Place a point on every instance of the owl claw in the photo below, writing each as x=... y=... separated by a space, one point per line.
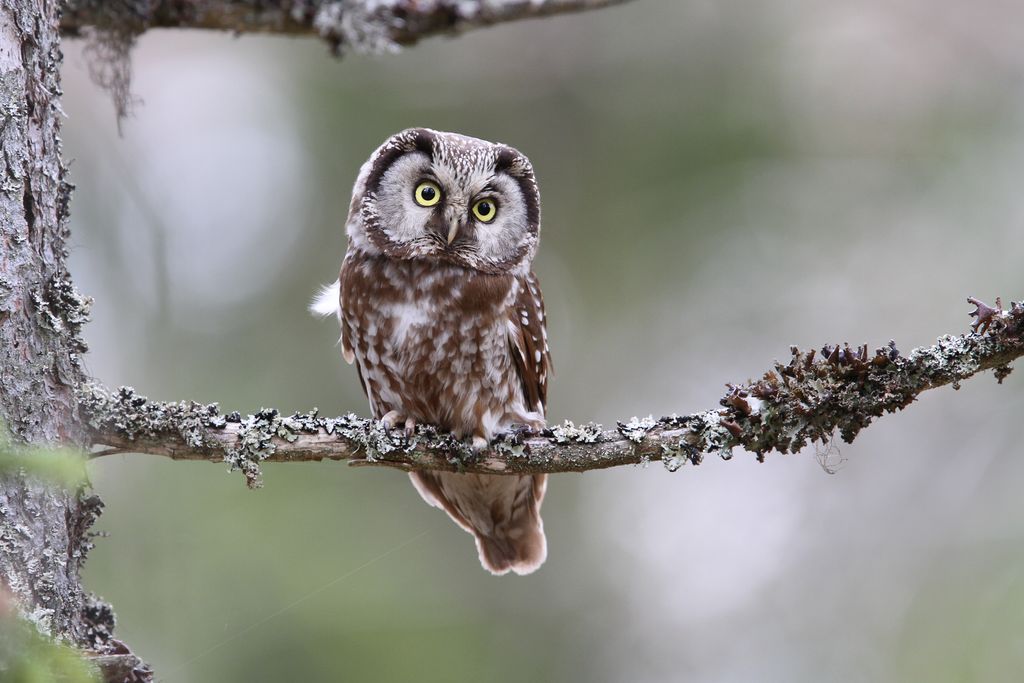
x=479 y=444
x=520 y=432
x=391 y=419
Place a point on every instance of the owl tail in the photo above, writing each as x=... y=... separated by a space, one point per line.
x=501 y=511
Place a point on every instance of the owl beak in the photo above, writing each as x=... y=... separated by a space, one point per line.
x=453 y=230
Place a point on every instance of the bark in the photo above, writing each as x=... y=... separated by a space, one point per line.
x=39 y=315
x=807 y=400
x=43 y=528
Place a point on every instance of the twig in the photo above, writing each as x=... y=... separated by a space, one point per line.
x=808 y=399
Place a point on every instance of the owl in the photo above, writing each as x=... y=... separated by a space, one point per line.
x=443 y=318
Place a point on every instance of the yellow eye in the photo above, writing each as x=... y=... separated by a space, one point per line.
x=485 y=210
x=427 y=193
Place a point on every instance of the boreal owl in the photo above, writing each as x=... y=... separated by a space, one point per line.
x=443 y=318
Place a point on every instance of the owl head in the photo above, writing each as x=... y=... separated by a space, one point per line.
x=425 y=194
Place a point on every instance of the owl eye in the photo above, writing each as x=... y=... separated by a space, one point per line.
x=427 y=193
x=485 y=210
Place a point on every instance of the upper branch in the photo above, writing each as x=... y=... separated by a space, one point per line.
x=368 y=25
x=805 y=400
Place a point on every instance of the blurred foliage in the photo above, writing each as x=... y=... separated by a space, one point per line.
x=26 y=656
x=61 y=467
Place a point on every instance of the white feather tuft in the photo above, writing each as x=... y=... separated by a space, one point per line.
x=327 y=301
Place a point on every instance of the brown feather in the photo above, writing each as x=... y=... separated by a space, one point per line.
x=530 y=343
x=444 y=334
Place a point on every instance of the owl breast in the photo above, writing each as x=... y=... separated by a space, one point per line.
x=431 y=341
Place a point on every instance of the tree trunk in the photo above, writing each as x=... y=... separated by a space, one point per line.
x=43 y=529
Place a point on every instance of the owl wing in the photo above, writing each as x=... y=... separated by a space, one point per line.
x=346 y=284
x=528 y=340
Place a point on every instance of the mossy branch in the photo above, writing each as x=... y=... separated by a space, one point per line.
x=806 y=400
x=363 y=25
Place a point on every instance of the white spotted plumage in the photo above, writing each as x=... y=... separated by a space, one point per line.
x=441 y=314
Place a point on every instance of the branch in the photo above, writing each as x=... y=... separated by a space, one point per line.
x=365 y=25
x=806 y=400
x=803 y=401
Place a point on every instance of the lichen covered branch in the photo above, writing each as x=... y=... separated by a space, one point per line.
x=805 y=400
x=363 y=25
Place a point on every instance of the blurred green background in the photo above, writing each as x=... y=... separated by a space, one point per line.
x=720 y=180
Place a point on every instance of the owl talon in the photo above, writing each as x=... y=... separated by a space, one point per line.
x=410 y=426
x=479 y=444
x=520 y=432
x=391 y=419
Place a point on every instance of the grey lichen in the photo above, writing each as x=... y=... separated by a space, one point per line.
x=676 y=454
x=364 y=27
x=569 y=432
x=107 y=53
x=709 y=431
x=255 y=444
x=636 y=429
x=135 y=416
x=187 y=429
